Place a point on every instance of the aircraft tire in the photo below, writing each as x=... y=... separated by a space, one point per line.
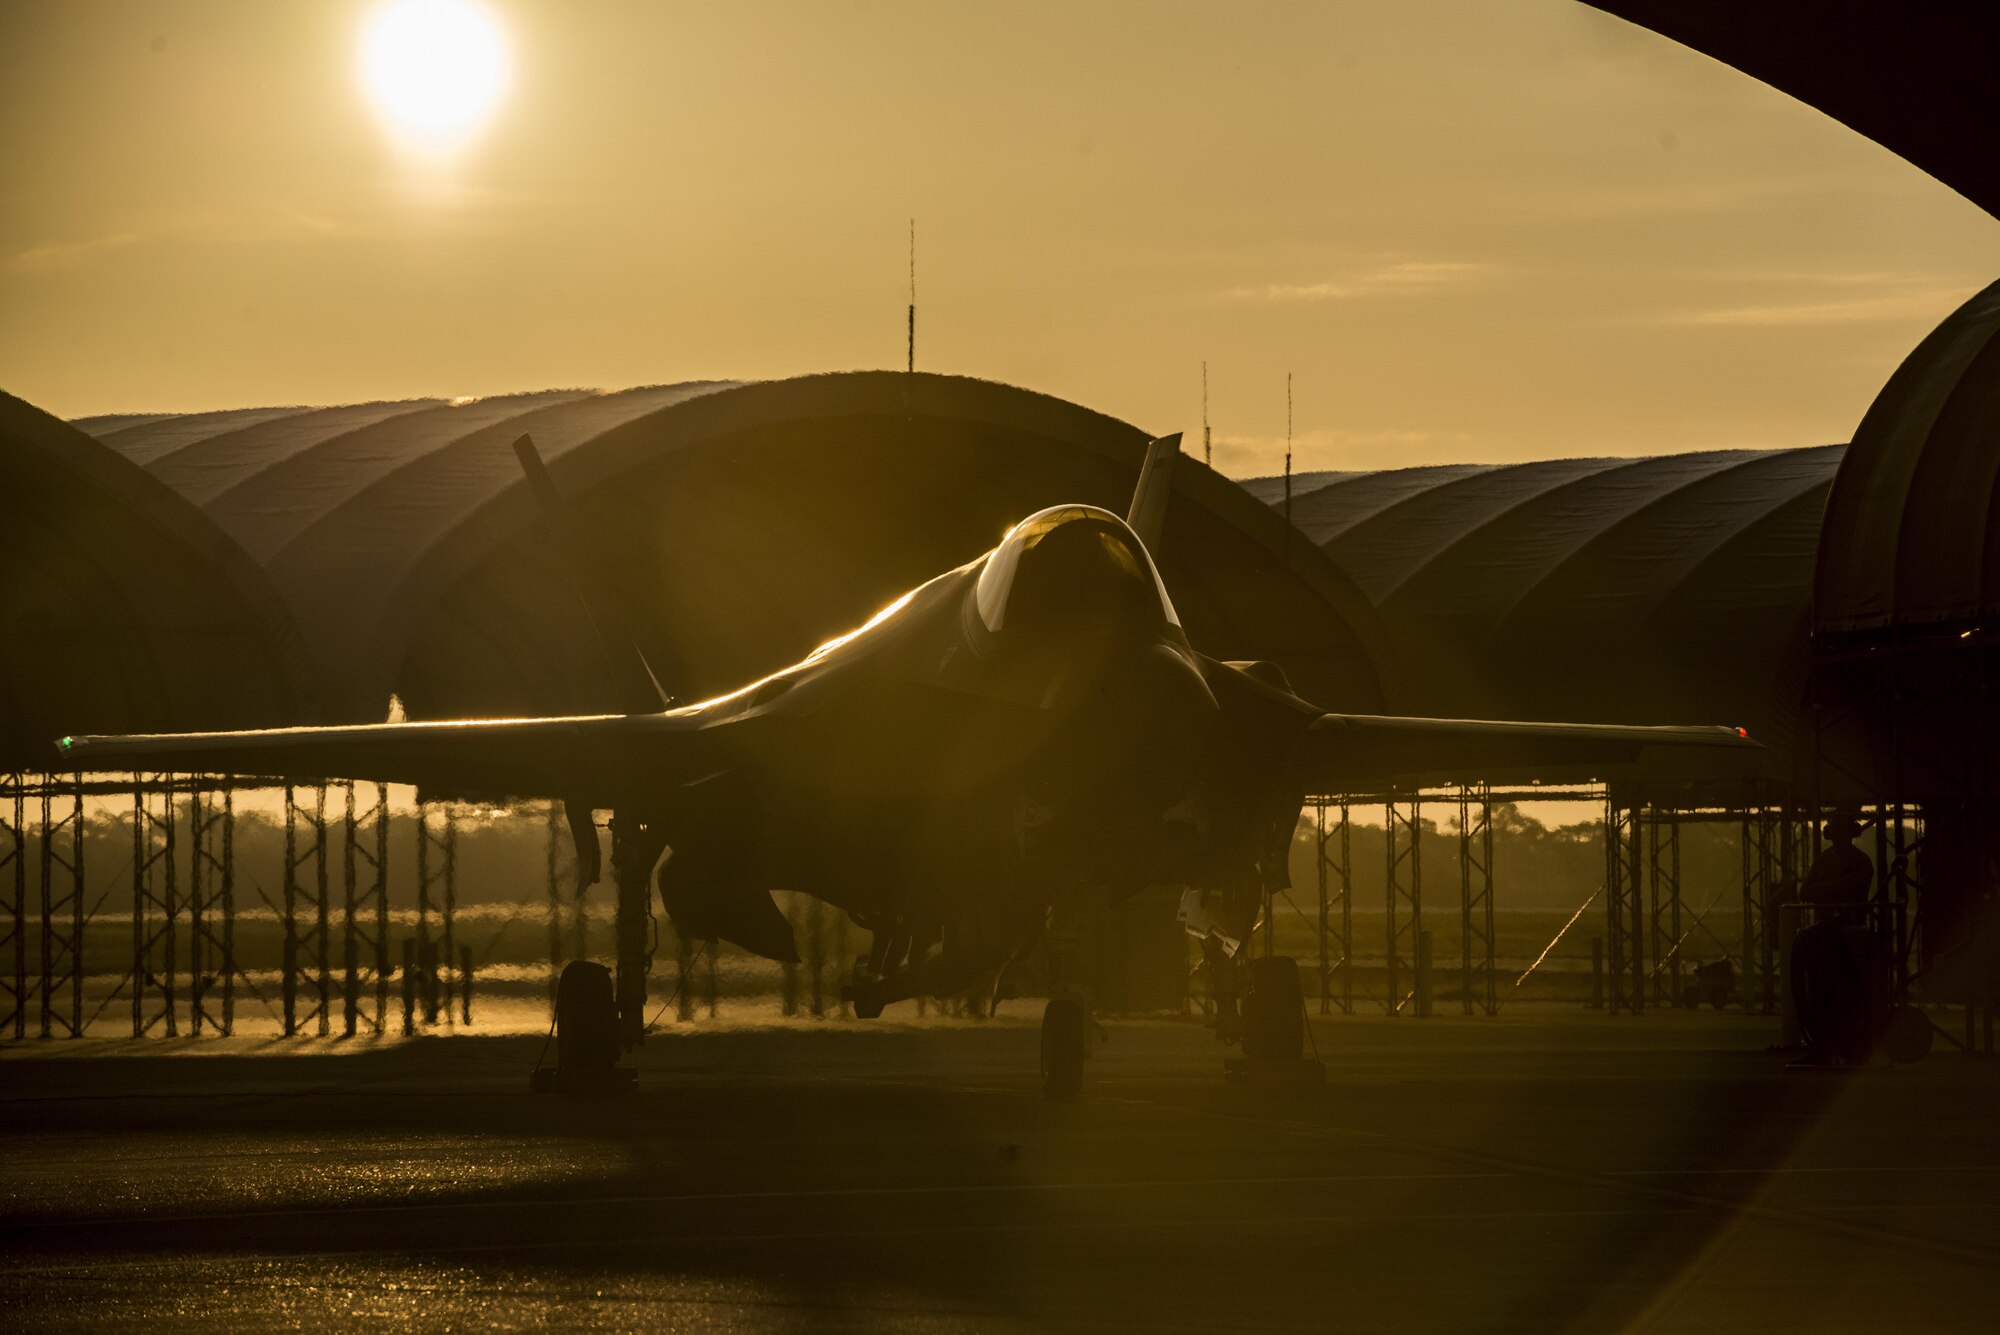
x=1065 y=1037
x=586 y=1018
x=1274 y=1017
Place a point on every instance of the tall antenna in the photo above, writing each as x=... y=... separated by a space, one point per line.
x=1288 y=465
x=911 y=363
x=1207 y=451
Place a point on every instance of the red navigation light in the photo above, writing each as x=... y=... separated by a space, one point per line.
x=1743 y=732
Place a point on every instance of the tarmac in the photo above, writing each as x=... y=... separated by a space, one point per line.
x=1537 y=1171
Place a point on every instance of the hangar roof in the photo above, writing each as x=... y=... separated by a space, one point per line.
x=124 y=608
x=1658 y=590
x=1911 y=537
x=749 y=522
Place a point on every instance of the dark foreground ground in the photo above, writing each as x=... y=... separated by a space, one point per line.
x=1553 y=1172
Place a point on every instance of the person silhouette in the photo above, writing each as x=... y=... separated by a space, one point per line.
x=1832 y=958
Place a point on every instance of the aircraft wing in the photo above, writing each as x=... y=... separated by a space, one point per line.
x=597 y=757
x=1348 y=752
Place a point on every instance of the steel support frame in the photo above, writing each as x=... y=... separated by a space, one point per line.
x=1899 y=837
x=1798 y=842
x=1761 y=877
x=1334 y=849
x=364 y=916
x=64 y=915
x=156 y=907
x=1663 y=876
x=437 y=896
x=307 y=950
x=15 y=991
x=211 y=907
x=1404 y=899
x=1479 y=986
x=1624 y=909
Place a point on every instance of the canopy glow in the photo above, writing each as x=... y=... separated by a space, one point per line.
x=433 y=69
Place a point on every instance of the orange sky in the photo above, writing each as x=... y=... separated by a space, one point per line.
x=1475 y=230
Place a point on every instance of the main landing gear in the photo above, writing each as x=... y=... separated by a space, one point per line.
x=586 y=1036
x=1273 y=1028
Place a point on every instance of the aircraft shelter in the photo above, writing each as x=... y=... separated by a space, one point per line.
x=296 y=564
x=1838 y=602
x=284 y=565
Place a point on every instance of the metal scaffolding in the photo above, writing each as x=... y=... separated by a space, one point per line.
x=1663 y=874
x=437 y=896
x=211 y=907
x=1404 y=893
x=63 y=909
x=1760 y=916
x=1334 y=846
x=14 y=883
x=1624 y=907
x=307 y=956
x=1478 y=985
x=1899 y=839
x=364 y=919
x=156 y=907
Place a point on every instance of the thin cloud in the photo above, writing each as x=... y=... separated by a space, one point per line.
x=1334 y=449
x=1826 y=299
x=1403 y=278
x=62 y=254
x=1861 y=310
x=267 y=222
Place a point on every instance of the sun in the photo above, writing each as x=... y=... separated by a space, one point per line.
x=434 y=70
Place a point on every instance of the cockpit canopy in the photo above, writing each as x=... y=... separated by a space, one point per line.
x=1071 y=563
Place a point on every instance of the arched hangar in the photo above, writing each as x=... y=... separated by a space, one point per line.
x=1671 y=589
x=123 y=607
x=744 y=523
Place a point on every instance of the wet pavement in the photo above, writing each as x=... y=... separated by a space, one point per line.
x=1552 y=1171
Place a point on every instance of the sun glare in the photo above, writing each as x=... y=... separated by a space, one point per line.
x=434 y=70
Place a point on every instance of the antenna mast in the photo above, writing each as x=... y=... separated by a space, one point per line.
x=1207 y=450
x=1288 y=465
x=911 y=363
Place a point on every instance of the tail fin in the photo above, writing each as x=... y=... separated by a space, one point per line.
x=1148 y=515
x=639 y=689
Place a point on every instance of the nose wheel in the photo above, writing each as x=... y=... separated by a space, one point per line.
x=1065 y=1038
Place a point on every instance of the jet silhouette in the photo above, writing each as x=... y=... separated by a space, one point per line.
x=996 y=755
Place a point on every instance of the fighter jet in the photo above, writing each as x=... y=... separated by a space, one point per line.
x=994 y=757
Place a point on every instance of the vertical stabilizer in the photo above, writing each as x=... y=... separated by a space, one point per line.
x=639 y=688
x=1148 y=515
